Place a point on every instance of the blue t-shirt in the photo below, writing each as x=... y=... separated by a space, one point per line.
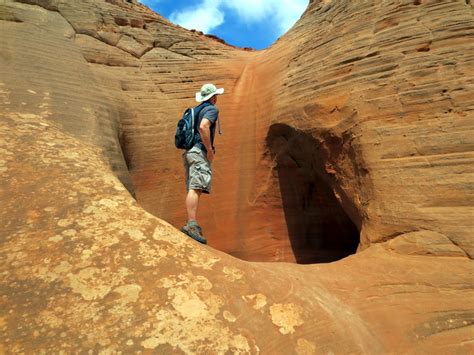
x=211 y=113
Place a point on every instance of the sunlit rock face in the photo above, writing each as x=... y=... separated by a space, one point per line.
x=352 y=133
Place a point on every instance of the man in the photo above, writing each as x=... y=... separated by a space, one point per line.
x=198 y=159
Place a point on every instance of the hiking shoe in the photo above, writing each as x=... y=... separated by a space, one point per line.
x=193 y=230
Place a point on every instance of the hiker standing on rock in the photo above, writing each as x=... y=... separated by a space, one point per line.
x=198 y=159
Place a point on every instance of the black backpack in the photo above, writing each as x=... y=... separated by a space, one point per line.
x=187 y=127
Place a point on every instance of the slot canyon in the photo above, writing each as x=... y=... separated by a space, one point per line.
x=341 y=214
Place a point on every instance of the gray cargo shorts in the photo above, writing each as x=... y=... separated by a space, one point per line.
x=198 y=170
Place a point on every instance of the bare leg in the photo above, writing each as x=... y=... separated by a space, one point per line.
x=192 y=228
x=192 y=203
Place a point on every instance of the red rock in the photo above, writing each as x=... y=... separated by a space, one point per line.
x=357 y=122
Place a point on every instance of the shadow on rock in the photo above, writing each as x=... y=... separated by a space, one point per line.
x=318 y=227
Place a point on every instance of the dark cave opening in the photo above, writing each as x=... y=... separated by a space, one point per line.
x=319 y=229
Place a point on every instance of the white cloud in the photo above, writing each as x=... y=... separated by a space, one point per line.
x=282 y=12
x=289 y=13
x=279 y=14
x=204 y=17
x=249 y=10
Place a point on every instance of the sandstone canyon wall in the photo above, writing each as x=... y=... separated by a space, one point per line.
x=353 y=131
x=343 y=108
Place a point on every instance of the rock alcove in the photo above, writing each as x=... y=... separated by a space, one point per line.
x=318 y=227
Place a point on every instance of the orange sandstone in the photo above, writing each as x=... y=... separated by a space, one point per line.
x=354 y=130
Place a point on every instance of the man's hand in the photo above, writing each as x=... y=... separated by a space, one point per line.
x=210 y=155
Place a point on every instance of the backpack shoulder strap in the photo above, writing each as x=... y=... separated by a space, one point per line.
x=192 y=119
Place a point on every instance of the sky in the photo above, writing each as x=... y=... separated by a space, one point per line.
x=243 y=23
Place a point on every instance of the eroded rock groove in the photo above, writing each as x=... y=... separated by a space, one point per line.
x=318 y=227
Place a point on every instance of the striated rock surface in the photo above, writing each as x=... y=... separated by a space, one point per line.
x=353 y=131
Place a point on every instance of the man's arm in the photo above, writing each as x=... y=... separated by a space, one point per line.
x=205 y=132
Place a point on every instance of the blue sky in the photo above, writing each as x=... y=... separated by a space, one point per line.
x=243 y=23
